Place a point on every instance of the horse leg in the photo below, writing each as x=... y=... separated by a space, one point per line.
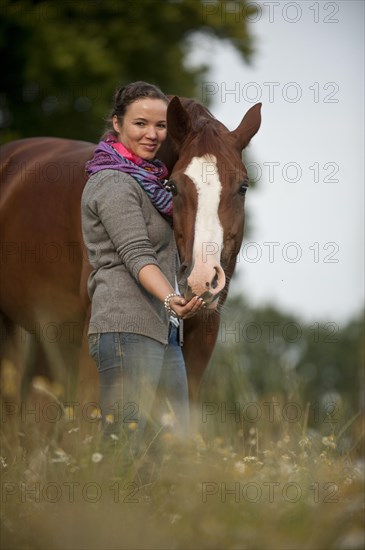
x=21 y=412
x=87 y=391
x=200 y=335
x=10 y=381
x=34 y=357
x=48 y=381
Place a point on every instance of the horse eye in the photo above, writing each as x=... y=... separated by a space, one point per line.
x=243 y=188
x=170 y=186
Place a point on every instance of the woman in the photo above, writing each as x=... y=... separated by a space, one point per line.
x=127 y=229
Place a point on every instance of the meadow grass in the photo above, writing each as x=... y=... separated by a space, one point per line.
x=233 y=484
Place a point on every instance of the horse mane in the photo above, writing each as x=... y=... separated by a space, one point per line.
x=205 y=125
x=199 y=114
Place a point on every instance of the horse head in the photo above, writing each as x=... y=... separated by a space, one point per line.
x=208 y=182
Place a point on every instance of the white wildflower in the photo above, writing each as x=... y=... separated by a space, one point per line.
x=73 y=430
x=250 y=459
x=329 y=441
x=305 y=442
x=168 y=419
x=96 y=457
x=61 y=456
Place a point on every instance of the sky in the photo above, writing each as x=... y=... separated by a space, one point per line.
x=305 y=249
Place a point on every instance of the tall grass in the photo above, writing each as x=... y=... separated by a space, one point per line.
x=234 y=483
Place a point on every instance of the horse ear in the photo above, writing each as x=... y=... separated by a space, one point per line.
x=248 y=127
x=178 y=121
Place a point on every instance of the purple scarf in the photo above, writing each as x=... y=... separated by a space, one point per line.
x=149 y=174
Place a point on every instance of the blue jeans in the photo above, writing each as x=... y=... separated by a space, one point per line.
x=141 y=382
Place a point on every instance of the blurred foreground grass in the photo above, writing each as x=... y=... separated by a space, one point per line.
x=288 y=488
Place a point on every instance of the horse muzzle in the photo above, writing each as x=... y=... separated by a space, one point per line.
x=206 y=282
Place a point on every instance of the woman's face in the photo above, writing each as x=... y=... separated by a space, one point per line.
x=143 y=128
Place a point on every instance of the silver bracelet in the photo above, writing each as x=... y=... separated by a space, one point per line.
x=166 y=303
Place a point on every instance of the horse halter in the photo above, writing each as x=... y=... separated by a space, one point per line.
x=169 y=186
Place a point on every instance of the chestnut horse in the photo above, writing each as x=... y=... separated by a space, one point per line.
x=44 y=267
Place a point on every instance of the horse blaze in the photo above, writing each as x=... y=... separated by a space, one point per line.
x=207 y=274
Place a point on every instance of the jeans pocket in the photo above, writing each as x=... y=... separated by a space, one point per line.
x=94 y=340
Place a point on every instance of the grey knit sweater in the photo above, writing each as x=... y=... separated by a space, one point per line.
x=123 y=232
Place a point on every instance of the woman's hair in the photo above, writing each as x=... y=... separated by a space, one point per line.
x=127 y=95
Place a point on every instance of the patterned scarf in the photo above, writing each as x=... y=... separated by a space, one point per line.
x=110 y=154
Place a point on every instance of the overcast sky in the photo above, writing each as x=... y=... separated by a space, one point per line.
x=305 y=252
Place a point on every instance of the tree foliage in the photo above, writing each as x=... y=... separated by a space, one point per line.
x=264 y=356
x=62 y=61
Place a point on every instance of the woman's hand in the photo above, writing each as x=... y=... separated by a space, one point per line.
x=185 y=309
x=155 y=282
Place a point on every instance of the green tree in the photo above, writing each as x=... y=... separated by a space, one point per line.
x=62 y=61
x=331 y=368
x=264 y=355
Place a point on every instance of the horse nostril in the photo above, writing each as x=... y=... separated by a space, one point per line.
x=215 y=280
